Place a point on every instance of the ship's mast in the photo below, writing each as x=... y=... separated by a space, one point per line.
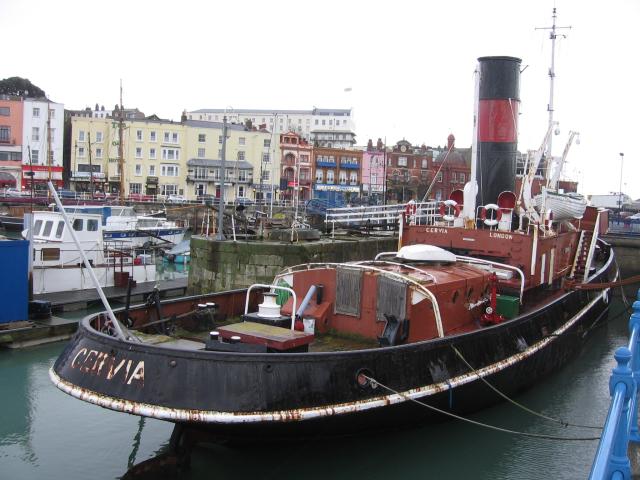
x=552 y=74
x=49 y=154
x=121 y=147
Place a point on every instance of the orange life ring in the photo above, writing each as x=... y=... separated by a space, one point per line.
x=449 y=210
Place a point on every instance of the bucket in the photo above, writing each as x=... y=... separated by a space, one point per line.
x=309 y=325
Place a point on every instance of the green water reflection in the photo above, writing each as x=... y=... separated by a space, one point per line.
x=45 y=433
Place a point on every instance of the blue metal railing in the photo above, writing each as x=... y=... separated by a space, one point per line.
x=621 y=426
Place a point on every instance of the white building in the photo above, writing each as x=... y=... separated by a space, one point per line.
x=39 y=133
x=332 y=128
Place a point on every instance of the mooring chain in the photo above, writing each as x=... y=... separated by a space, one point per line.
x=519 y=405
x=479 y=424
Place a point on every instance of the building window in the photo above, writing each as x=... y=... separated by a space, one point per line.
x=169 y=170
x=267 y=143
x=266 y=158
x=174 y=137
x=402 y=161
x=152 y=153
x=81 y=152
x=319 y=176
x=5 y=111
x=170 y=154
x=342 y=176
x=138 y=135
x=167 y=136
x=453 y=177
x=36 y=112
x=81 y=136
x=330 y=176
x=241 y=140
x=241 y=155
x=152 y=136
x=152 y=170
x=98 y=137
x=241 y=190
x=201 y=137
x=138 y=152
x=98 y=153
x=425 y=163
x=5 y=134
x=35 y=155
x=439 y=177
x=353 y=178
x=461 y=176
x=135 y=188
x=242 y=175
x=169 y=189
x=265 y=175
x=201 y=153
x=35 y=134
x=138 y=170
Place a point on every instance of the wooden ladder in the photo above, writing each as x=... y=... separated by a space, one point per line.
x=582 y=253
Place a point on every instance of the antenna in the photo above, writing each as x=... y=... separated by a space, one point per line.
x=552 y=73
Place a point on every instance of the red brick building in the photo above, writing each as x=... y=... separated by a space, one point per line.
x=451 y=170
x=408 y=172
x=337 y=174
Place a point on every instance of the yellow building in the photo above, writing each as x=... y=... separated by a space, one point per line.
x=247 y=151
x=163 y=158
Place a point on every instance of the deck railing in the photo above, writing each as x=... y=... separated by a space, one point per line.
x=621 y=425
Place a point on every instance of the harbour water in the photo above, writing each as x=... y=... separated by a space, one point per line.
x=44 y=433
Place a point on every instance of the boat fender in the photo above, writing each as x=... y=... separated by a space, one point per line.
x=488 y=220
x=449 y=210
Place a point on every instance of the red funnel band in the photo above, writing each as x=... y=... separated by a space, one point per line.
x=498 y=121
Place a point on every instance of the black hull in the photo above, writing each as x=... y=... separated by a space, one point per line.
x=240 y=396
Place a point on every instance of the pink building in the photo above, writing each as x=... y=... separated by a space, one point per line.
x=373 y=160
x=11 y=121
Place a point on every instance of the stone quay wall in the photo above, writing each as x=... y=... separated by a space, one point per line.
x=217 y=266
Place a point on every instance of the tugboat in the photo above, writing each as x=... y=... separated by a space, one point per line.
x=474 y=296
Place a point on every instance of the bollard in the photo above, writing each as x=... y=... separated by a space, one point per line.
x=621 y=381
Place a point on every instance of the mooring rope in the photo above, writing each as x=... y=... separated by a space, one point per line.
x=480 y=424
x=517 y=404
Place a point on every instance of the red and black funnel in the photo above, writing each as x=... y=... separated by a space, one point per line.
x=498 y=102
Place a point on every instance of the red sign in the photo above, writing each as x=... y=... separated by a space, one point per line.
x=292 y=184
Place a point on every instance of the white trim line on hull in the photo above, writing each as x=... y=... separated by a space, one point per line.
x=213 y=417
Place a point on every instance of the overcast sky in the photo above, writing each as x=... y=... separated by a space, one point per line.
x=408 y=64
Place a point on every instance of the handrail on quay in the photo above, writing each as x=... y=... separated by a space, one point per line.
x=621 y=426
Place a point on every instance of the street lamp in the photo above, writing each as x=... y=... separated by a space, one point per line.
x=620 y=191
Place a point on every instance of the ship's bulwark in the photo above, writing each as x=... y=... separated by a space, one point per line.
x=236 y=395
x=499 y=100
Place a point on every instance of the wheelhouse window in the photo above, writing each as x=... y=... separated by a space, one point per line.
x=60 y=229
x=37 y=227
x=92 y=225
x=48 y=225
x=78 y=224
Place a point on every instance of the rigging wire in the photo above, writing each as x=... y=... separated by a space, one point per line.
x=426 y=195
x=517 y=404
x=480 y=424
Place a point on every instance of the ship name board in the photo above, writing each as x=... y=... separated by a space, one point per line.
x=102 y=364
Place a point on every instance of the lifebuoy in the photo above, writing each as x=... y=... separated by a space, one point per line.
x=490 y=221
x=449 y=210
x=410 y=209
